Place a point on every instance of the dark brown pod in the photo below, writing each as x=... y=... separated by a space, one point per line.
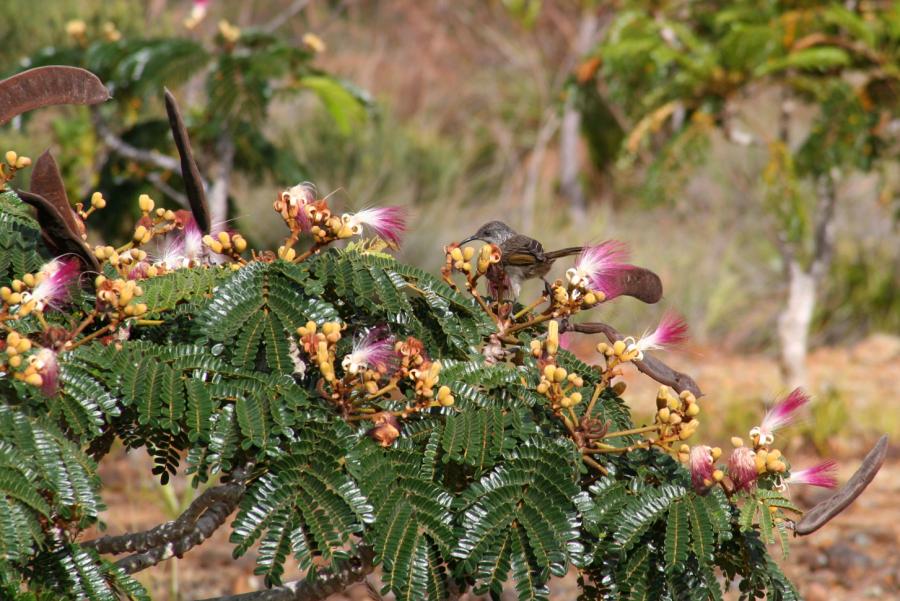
x=190 y=174
x=825 y=511
x=640 y=283
x=47 y=86
x=46 y=181
x=56 y=233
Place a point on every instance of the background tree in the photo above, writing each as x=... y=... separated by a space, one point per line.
x=230 y=82
x=825 y=72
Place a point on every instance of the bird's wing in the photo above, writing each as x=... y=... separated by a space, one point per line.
x=522 y=250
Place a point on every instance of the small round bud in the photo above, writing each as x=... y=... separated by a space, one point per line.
x=468 y=253
x=224 y=239
x=145 y=203
x=718 y=475
x=23 y=162
x=11 y=157
x=559 y=374
x=456 y=254
x=34 y=379
x=716 y=453
x=15 y=361
x=543 y=387
x=693 y=410
x=549 y=371
x=618 y=347
x=663 y=415
x=576 y=397
x=28 y=278
x=240 y=244
x=139 y=233
x=737 y=441
x=97 y=201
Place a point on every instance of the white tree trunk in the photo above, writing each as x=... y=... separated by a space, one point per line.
x=794 y=322
x=570 y=161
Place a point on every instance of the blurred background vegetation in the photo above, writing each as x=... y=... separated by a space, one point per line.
x=704 y=134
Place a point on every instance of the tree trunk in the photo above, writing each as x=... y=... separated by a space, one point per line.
x=794 y=321
x=570 y=151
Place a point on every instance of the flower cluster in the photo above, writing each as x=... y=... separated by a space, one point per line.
x=321 y=345
x=13 y=163
x=677 y=414
x=486 y=260
x=49 y=287
x=303 y=212
x=424 y=374
x=119 y=294
x=226 y=243
x=557 y=384
x=594 y=278
x=38 y=368
x=747 y=464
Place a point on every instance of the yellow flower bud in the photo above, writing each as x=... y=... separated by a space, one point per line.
x=34 y=379
x=443 y=392
x=5 y=292
x=718 y=475
x=17 y=285
x=549 y=371
x=565 y=402
x=576 y=397
x=468 y=253
x=590 y=298
x=139 y=233
x=674 y=419
x=684 y=449
x=97 y=200
x=737 y=441
x=716 y=453
x=14 y=299
x=28 y=278
x=457 y=255
x=602 y=348
x=23 y=162
x=224 y=239
x=543 y=387
x=15 y=361
x=160 y=212
x=559 y=374
x=618 y=347
x=11 y=157
x=693 y=410
x=240 y=244
x=663 y=414
x=140 y=309
x=24 y=345
x=145 y=203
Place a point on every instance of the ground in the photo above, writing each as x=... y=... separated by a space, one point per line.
x=855 y=557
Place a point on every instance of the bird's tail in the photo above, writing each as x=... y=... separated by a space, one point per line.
x=564 y=252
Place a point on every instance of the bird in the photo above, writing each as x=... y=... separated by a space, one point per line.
x=522 y=257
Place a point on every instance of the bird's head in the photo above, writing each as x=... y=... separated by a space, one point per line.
x=492 y=232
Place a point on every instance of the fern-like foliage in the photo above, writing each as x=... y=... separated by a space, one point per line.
x=215 y=377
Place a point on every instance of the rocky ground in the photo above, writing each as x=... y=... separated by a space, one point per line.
x=856 y=557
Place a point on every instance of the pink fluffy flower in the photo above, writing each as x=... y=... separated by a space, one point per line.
x=672 y=329
x=823 y=474
x=701 y=463
x=298 y=197
x=48 y=368
x=742 y=468
x=182 y=248
x=597 y=267
x=781 y=414
x=373 y=351
x=388 y=223
x=56 y=279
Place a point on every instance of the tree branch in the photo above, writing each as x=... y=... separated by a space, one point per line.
x=123 y=148
x=204 y=515
x=326 y=582
x=823 y=248
x=650 y=366
x=285 y=15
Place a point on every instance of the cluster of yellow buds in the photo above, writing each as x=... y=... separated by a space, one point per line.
x=618 y=351
x=320 y=344
x=77 y=30
x=119 y=294
x=111 y=32
x=97 y=202
x=770 y=460
x=124 y=259
x=227 y=244
x=15 y=346
x=557 y=384
x=568 y=299
x=14 y=162
x=460 y=258
x=230 y=33
x=677 y=414
x=488 y=255
x=425 y=378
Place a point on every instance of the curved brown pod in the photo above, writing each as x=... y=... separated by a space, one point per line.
x=56 y=233
x=190 y=174
x=47 y=86
x=825 y=511
x=640 y=283
x=46 y=181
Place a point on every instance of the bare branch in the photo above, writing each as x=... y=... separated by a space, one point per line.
x=326 y=582
x=203 y=517
x=650 y=366
x=123 y=148
x=285 y=15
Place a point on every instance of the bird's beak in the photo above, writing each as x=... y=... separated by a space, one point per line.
x=469 y=239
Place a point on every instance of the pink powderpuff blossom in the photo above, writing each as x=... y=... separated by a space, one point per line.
x=182 y=248
x=298 y=197
x=781 y=414
x=823 y=474
x=389 y=223
x=701 y=464
x=742 y=468
x=597 y=267
x=56 y=279
x=671 y=330
x=373 y=351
